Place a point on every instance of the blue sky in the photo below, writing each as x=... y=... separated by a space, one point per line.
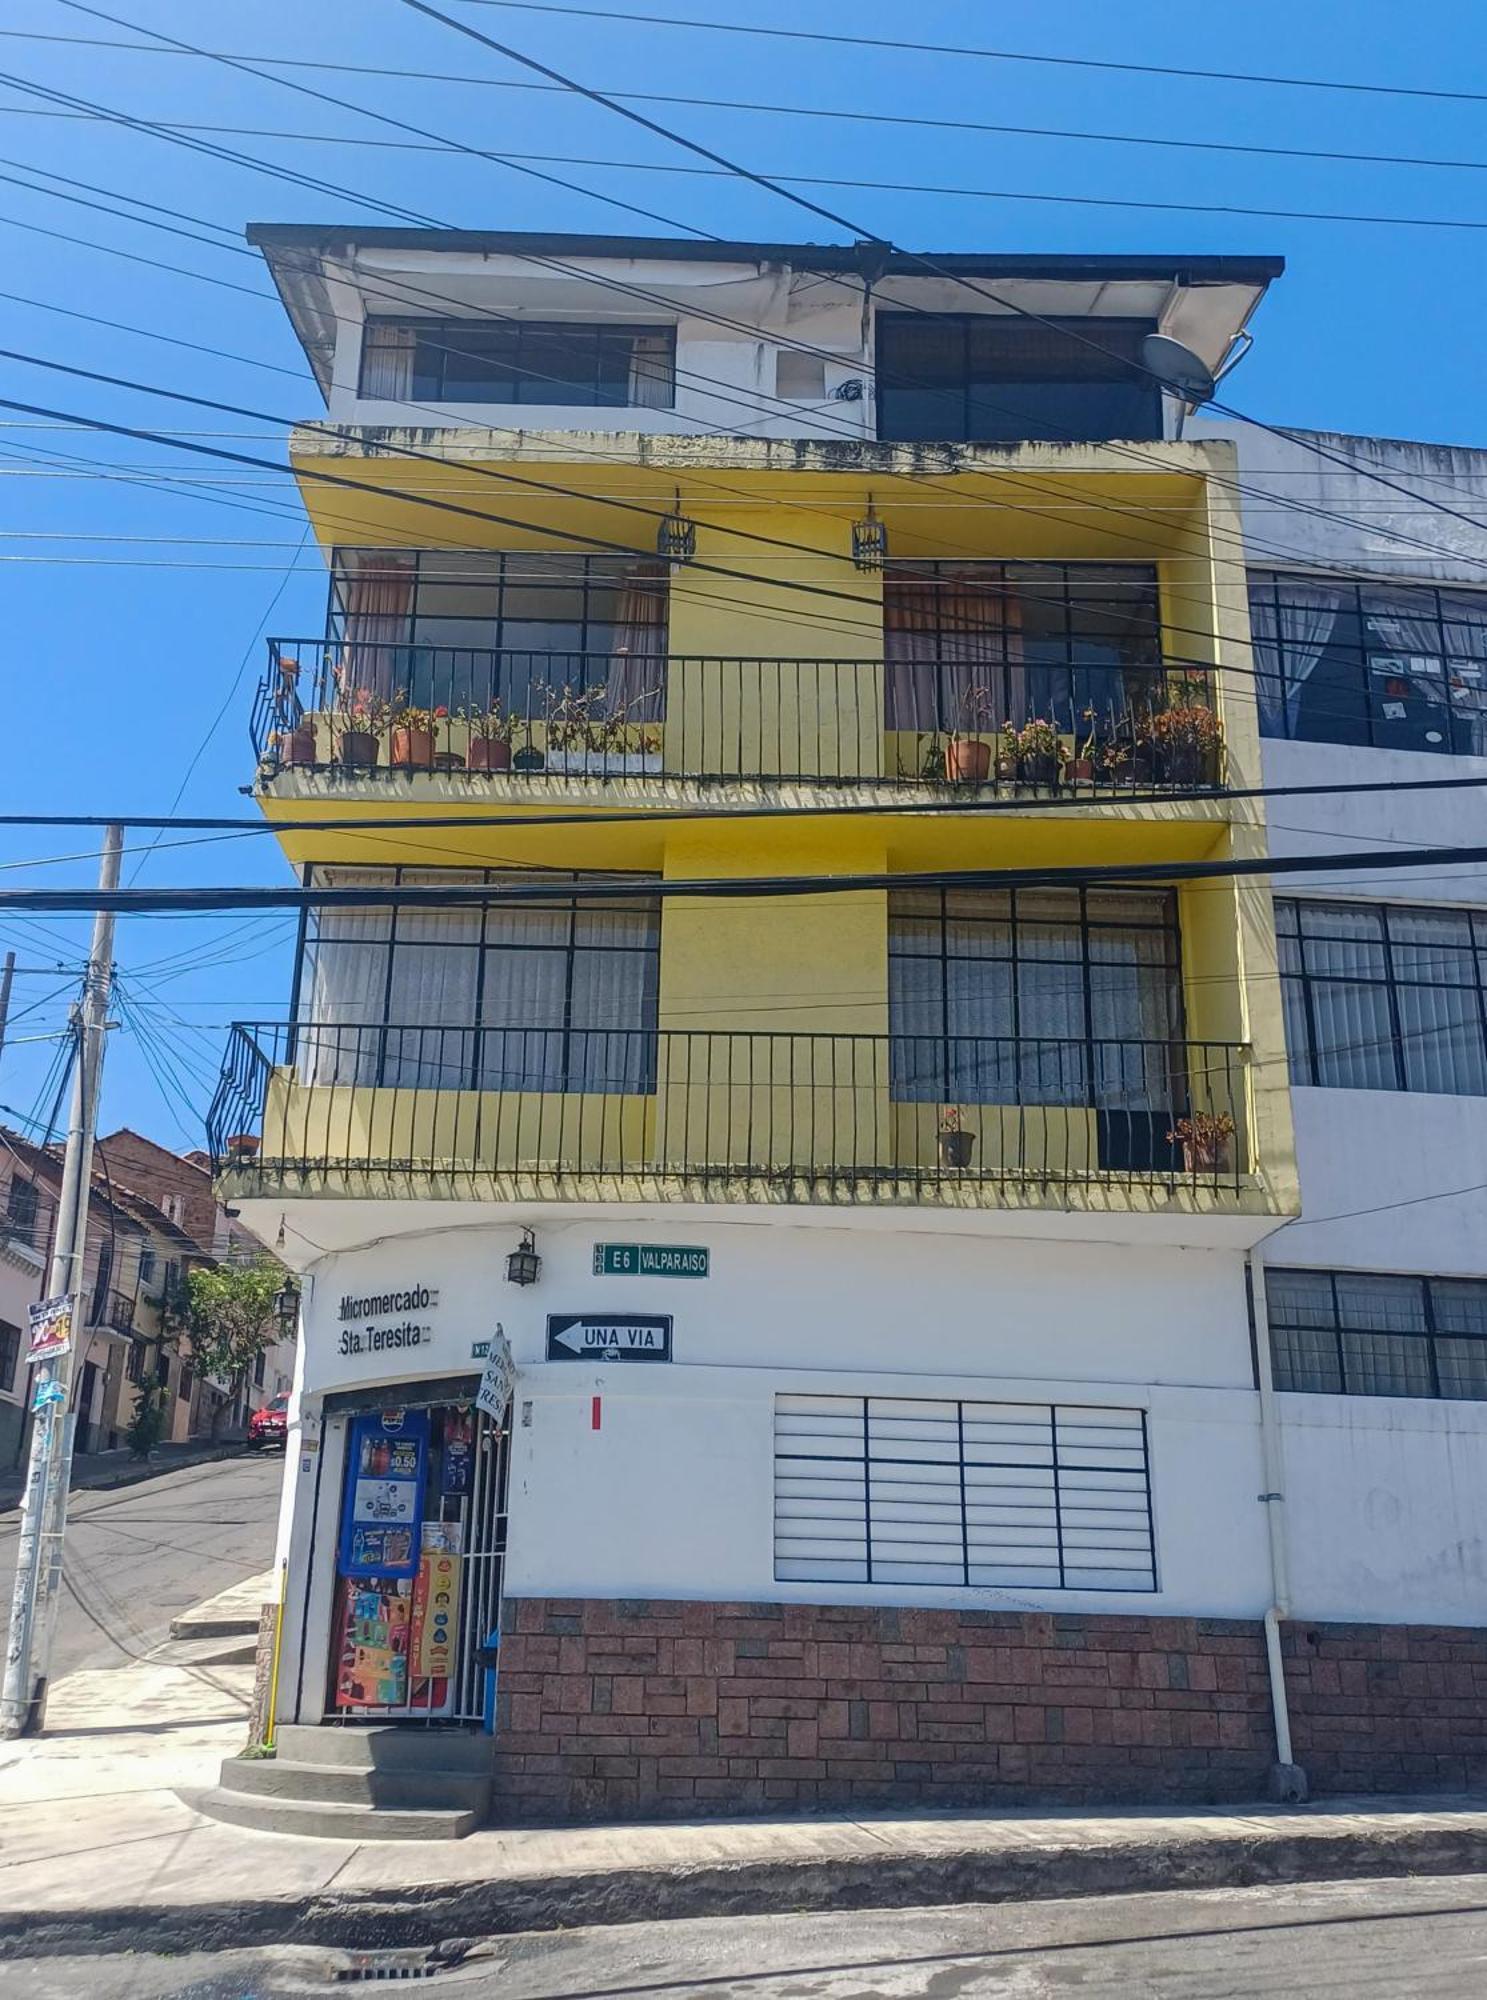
x=135 y=609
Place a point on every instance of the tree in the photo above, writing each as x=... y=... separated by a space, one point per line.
x=233 y=1319
x=148 y=1421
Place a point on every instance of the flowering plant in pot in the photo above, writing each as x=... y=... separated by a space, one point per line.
x=967 y=754
x=955 y=1142
x=1205 y=1138
x=360 y=718
x=491 y=731
x=1006 y=754
x=1187 y=739
x=1079 y=769
x=413 y=736
x=1038 y=748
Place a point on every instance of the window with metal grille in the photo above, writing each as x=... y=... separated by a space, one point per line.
x=1383 y=996
x=10 y=1355
x=21 y=1209
x=1397 y=666
x=519 y=361
x=1000 y=378
x=875 y=1489
x=1356 y=1333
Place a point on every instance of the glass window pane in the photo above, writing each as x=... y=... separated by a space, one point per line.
x=1461 y=1366
x=1369 y=1302
x=1354 y=1036
x=1459 y=1305
x=1432 y=946
x=1441 y=1034
x=1305 y=1358
x=1301 y=1298
x=1386 y=1364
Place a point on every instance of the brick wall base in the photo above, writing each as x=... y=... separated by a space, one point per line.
x=629 y=1709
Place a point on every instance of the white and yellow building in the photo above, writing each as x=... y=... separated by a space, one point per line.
x=695 y=611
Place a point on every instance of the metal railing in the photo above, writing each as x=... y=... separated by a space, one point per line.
x=111 y=1309
x=788 y=1115
x=363 y=708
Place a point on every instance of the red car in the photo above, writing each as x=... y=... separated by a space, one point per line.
x=270 y=1425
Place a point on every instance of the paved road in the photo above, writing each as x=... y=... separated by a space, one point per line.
x=1358 y=1941
x=138 y=1556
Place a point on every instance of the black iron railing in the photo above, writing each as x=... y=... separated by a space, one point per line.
x=112 y=1309
x=369 y=707
x=798 y=1112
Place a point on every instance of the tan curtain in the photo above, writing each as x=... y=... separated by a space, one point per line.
x=378 y=599
x=636 y=681
x=387 y=362
x=953 y=652
x=652 y=372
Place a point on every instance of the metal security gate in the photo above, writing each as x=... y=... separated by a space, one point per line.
x=481 y=1571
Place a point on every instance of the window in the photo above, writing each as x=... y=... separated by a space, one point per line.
x=10 y=1355
x=977 y=644
x=1382 y=996
x=137 y=1363
x=450 y=628
x=1352 y=1333
x=187 y=1382
x=147 y=1267
x=21 y=1208
x=873 y=1489
x=258 y=1368
x=556 y=996
x=162 y=1368
x=1035 y=996
x=996 y=378
x=519 y=361
x=174 y=1208
x=799 y=377
x=1402 y=667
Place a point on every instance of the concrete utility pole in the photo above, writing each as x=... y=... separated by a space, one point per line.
x=44 y=1509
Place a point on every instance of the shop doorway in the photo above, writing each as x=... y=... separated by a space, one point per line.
x=419 y=1556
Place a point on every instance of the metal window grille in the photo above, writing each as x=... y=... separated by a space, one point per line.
x=10 y=1354
x=1355 y=1333
x=872 y=1489
x=1384 y=996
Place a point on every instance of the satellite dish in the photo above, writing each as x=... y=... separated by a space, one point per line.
x=1177 y=368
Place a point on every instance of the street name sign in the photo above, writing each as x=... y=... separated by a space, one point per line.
x=609 y=1336
x=649 y=1260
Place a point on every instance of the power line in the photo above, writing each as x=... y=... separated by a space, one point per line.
x=989 y=55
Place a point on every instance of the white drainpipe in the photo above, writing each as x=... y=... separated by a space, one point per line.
x=1288 y=1781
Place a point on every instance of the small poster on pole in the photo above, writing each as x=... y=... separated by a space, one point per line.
x=51 y=1328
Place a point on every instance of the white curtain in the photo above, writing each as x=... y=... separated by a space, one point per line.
x=1289 y=639
x=431 y=1000
x=652 y=372
x=387 y=362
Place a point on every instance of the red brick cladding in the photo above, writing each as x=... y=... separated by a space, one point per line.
x=651 y=1708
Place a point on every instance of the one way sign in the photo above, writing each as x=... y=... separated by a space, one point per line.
x=612 y=1337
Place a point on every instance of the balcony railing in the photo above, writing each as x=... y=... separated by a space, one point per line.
x=111 y=1309
x=787 y=1117
x=536 y=717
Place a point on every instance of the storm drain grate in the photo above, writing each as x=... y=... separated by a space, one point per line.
x=367 y=1965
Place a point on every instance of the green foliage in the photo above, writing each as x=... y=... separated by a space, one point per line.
x=148 y=1420
x=232 y=1316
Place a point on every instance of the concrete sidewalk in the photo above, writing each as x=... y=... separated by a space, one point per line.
x=98 y=1471
x=101 y=1848
x=231 y=1614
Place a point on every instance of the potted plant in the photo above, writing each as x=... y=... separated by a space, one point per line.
x=413 y=738
x=1187 y=739
x=297 y=745
x=1038 y=747
x=1079 y=769
x=955 y=1142
x=1006 y=754
x=243 y=1146
x=491 y=731
x=1205 y=1137
x=359 y=719
x=967 y=753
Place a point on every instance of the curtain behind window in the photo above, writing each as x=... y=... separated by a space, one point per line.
x=379 y=597
x=951 y=651
x=635 y=685
x=387 y=361
x=1289 y=639
x=652 y=383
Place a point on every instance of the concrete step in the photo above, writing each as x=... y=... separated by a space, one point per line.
x=205 y=1653
x=343 y=1784
x=387 y=1747
x=331 y=1820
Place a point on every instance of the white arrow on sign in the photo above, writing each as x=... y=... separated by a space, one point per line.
x=592 y=1336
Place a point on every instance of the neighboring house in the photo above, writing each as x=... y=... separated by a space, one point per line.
x=26 y=1216
x=894 y=1275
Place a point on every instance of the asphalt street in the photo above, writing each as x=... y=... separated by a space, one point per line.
x=137 y=1556
x=1362 y=1940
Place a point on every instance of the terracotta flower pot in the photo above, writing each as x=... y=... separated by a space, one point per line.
x=1080 y=770
x=956 y=1149
x=1205 y=1156
x=967 y=760
x=413 y=749
x=299 y=745
x=489 y=753
x=359 y=748
x=448 y=760
x=1039 y=767
x=243 y=1146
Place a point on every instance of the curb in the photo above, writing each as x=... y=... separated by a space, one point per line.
x=417 y=1915
x=135 y=1472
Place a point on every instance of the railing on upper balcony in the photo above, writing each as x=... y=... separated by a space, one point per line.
x=364 y=708
x=833 y=1117
x=112 y=1309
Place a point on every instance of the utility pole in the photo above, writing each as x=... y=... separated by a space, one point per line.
x=44 y=1509
x=7 y=975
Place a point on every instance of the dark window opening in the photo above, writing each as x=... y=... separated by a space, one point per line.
x=998 y=379
x=10 y=1355
x=555 y=362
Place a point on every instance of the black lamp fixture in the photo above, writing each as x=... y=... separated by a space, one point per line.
x=524 y=1266
x=286 y=1306
x=869 y=541
x=676 y=538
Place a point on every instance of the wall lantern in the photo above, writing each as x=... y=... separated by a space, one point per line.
x=869 y=541
x=286 y=1306
x=676 y=538
x=524 y=1266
